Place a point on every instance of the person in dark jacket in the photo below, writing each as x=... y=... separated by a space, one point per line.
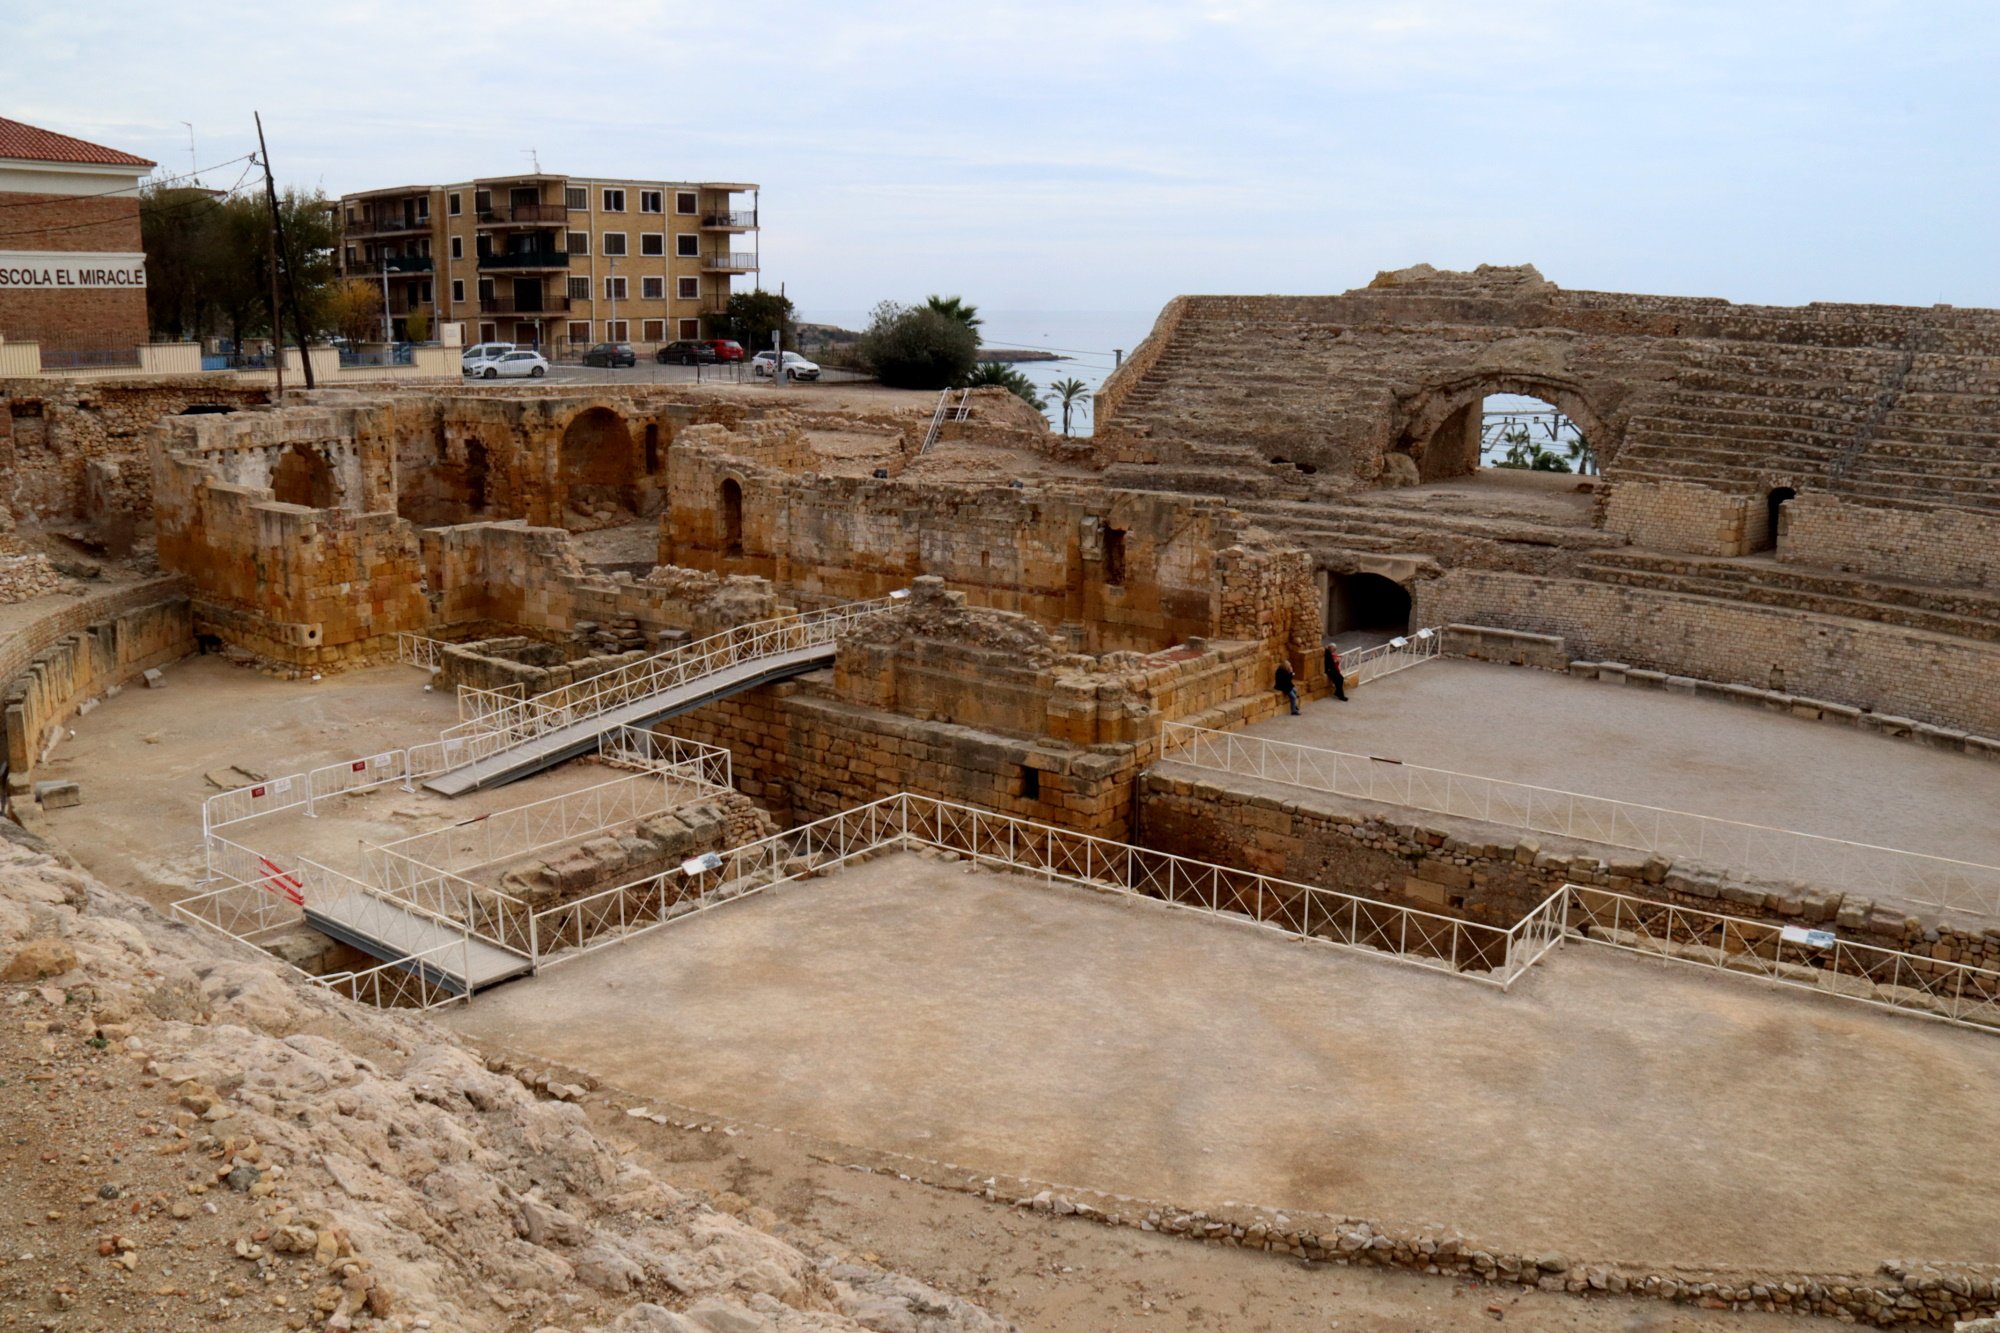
x=1285 y=685
x=1335 y=672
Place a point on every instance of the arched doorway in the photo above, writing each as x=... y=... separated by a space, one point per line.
x=1513 y=422
x=732 y=517
x=475 y=475
x=596 y=467
x=303 y=477
x=1773 y=504
x=1366 y=606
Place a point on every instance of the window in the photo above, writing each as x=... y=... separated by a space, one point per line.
x=424 y=291
x=688 y=289
x=653 y=289
x=482 y=201
x=579 y=289
x=486 y=291
x=353 y=258
x=483 y=244
x=424 y=207
x=579 y=242
x=653 y=331
x=690 y=328
x=489 y=332
x=458 y=247
x=684 y=203
x=652 y=243
x=577 y=199
x=579 y=330
x=451 y=203
x=614 y=330
x=687 y=246
x=614 y=243
x=458 y=291
x=649 y=201
x=614 y=289
x=614 y=201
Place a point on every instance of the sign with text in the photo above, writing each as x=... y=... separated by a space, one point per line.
x=69 y=270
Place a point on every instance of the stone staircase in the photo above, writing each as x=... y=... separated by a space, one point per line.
x=1933 y=608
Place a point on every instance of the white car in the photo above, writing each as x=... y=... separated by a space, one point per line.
x=477 y=357
x=516 y=366
x=796 y=366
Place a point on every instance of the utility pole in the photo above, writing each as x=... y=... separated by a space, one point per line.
x=277 y=257
x=383 y=256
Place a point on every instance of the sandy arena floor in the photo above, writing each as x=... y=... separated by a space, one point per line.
x=1607 y=1108
x=1678 y=751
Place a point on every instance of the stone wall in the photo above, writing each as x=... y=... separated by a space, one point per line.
x=1928 y=677
x=1931 y=546
x=76 y=653
x=1681 y=516
x=528 y=665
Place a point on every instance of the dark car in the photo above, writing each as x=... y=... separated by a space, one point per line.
x=611 y=354
x=688 y=354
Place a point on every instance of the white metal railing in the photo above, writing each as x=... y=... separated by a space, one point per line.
x=1479 y=952
x=946 y=410
x=352 y=775
x=244 y=912
x=1388 y=658
x=420 y=981
x=1832 y=863
x=644 y=748
x=510 y=722
x=1794 y=956
x=418 y=651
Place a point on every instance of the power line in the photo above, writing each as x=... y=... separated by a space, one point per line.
x=131 y=191
x=164 y=210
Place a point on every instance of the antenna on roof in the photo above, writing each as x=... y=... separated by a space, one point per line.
x=192 y=168
x=535 y=158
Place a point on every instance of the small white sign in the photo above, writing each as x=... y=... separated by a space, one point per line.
x=1812 y=939
x=69 y=270
x=281 y=784
x=701 y=864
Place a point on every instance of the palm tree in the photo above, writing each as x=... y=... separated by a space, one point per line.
x=992 y=374
x=952 y=307
x=1074 y=395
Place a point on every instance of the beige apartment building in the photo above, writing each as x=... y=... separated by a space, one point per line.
x=556 y=262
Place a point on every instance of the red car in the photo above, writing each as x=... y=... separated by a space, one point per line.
x=726 y=349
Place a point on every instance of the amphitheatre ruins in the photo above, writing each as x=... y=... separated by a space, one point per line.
x=609 y=856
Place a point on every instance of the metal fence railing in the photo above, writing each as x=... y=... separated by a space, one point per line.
x=418 y=651
x=1914 y=878
x=1388 y=658
x=500 y=722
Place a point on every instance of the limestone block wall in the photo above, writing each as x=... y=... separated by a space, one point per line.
x=1934 y=546
x=78 y=652
x=353 y=445
x=52 y=430
x=1681 y=516
x=1929 y=677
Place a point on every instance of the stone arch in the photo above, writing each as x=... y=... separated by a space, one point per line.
x=595 y=464
x=1366 y=603
x=1438 y=426
x=304 y=477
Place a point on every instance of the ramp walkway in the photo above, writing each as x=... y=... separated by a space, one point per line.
x=510 y=738
x=432 y=949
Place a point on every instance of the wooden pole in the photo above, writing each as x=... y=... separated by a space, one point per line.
x=277 y=328
x=277 y=251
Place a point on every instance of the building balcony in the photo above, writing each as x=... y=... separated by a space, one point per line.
x=403 y=266
x=514 y=305
x=387 y=226
x=525 y=259
x=524 y=215
x=744 y=221
x=736 y=261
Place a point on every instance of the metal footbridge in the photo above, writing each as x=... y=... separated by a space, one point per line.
x=510 y=737
x=428 y=949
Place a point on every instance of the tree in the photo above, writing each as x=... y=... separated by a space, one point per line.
x=992 y=374
x=1072 y=395
x=752 y=317
x=177 y=228
x=417 y=326
x=1529 y=455
x=952 y=307
x=354 y=310
x=213 y=257
x=917 y=348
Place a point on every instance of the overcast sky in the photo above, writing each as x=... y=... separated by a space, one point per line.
x=1106 y=155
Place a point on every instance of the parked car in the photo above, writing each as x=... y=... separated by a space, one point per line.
x=726 y=349
x=477 y=357
x=795 y=366
x=688 y=354
x=516 y=365
x=611 y=354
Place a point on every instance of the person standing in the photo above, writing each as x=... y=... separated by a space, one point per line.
x=1285 y=685
x=1335 y=672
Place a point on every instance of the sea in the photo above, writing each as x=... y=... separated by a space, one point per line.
x=1088 y=341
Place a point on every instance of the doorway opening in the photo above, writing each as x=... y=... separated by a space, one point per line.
x=732 y=517
x=303 y=477
x=1774 y=504
x=1366 y=605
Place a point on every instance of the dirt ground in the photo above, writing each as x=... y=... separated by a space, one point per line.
x=1605 y=1108
x=1677 y=751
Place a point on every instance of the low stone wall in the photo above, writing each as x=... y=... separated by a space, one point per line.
x=1927 y=677
x=515 y=660
x=646 y=847
x=1681 y=516
x=1484 y=643
x=1928 y=545
x=80 y=652
x=1492 y=875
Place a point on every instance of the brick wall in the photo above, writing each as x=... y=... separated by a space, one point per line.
x=1681 y=516
x=1932 y=546
x=62 y=319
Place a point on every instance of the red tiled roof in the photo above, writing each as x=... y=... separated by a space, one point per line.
x=38 y=145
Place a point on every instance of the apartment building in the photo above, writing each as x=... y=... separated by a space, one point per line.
x=558 y=262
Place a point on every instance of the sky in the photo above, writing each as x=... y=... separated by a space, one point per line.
x=1106 y=155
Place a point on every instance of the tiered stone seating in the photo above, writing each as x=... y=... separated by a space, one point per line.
x=1939 y=442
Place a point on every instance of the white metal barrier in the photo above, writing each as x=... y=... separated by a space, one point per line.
x=690 y=761
x=507 y=722
x=1793 y=956
x=1388 y=658
x=418 y=651
x=1833 y=863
